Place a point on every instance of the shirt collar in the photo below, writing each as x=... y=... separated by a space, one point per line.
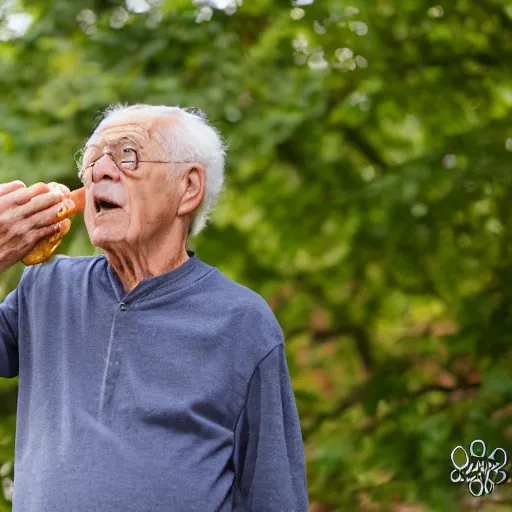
x=185 y=274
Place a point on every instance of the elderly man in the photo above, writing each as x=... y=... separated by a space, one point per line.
x=148 y=380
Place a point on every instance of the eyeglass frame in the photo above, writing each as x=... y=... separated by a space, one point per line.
x=136 y=162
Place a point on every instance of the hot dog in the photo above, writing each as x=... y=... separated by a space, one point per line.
x=74 y=203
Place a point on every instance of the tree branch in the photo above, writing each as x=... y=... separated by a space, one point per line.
x=356 y=332
x=357 y=395
x=356 y=138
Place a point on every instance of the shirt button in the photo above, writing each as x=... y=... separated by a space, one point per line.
x=123 y=306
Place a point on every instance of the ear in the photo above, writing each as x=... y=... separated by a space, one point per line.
x=193 y=185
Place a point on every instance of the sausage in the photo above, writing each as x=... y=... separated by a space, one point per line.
x=44 y=250
x=78 y=197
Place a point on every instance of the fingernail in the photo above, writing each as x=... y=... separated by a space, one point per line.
x=66 y=206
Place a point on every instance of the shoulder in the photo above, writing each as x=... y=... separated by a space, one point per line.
x=248 y=325
x=60 y=270
x=248 y=321
x=248 y=308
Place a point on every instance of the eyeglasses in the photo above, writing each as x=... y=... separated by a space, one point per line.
x=126 y=159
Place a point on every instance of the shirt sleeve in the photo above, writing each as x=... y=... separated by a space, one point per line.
x=9 y=360
x=269 y=451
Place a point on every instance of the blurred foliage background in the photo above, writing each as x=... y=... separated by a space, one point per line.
x=367 y=199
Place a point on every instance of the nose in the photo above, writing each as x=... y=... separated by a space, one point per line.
x=105 y=169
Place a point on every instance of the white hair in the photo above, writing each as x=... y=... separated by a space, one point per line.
x=191 y=139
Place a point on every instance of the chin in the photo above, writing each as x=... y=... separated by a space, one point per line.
x=104 y=237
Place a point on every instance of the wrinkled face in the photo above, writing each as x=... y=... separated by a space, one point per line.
x=131 y=189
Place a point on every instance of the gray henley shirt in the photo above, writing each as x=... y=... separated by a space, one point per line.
x=172 y=397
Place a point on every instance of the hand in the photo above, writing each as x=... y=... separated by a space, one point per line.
x=27 y=215
x=73 y=204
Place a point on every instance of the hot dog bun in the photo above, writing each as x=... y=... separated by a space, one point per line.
x=74 y=203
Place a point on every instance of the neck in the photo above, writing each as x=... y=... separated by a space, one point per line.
x=134 y=263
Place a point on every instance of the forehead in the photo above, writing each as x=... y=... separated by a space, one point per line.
x=142 y=129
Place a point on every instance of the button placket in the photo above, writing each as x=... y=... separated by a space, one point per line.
x=112 y=369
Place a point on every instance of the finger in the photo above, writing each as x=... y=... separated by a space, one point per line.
x=6 y=188
x=35 y=238
x=44 y=232
x=45 y=240
x=47 y=216
x=66 y=207
x=40 y=203
x=63 y=228
x=23 y=195
x=40 y=246
x=59 y=186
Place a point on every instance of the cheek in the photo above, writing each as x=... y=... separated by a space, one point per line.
x=139 y=221
x=150 y=207
x=88 y=218
x=155 y=206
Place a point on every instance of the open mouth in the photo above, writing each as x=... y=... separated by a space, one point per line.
x=102 y=206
